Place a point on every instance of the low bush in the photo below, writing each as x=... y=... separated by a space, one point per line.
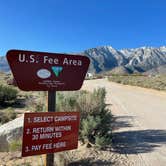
x=95 y=125
x=153 y=82
x=15 y=145
x=7 y=115
x=36 y=102
x=39 y=107
x=8 y=95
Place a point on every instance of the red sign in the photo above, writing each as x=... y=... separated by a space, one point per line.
x=41 y=71
x=50 y=132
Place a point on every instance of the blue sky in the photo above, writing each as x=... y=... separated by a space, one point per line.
x=76 y=25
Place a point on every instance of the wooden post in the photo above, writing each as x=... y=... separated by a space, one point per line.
x=51 y=108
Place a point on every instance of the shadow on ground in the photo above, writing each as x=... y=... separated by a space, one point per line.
x=141 y=141
x=20 y=103
x=137 y=141
x=122 y=122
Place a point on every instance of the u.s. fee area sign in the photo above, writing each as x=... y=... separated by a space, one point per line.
x=42 y=71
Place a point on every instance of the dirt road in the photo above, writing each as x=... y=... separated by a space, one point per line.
x=140 y=127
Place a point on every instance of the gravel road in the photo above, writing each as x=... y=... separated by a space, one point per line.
x=140 y=126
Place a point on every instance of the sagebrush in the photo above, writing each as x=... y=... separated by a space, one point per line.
x=15 y=145
x=7 y=115
x=8 y=95
x=153 y=82
x=95 y=126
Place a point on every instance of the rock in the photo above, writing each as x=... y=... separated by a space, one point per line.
x=9 y=132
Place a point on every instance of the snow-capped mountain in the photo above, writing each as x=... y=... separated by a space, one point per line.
x=146 y=58
x=135 y=60
x=107 y=58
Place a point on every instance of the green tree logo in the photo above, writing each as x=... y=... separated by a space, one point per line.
x=57 y=70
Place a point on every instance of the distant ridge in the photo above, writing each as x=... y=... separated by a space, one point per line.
x=4 y=67
x=107 y=58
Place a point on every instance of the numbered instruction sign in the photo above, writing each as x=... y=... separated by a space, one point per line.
x=50 y=132
x=41 y=71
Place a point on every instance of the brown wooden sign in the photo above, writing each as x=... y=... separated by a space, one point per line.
x=50 y=132
x=41 y=71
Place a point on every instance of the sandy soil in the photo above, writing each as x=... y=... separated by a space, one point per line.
x=140 y=127
x=139 y=137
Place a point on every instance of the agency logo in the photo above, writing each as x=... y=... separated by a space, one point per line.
x=57 y=70
x=43 y=73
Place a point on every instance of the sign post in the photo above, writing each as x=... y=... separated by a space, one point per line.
x=51 y=108
x=49 y=132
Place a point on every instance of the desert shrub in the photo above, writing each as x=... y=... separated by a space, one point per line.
x=10 y=113
x=39 y=107
x=36 y=102
x=95 y=117
x=7 y=115
x=153 y=82
x=89 y=127
x=102 y=141
x=8 y=95
x=15 y=145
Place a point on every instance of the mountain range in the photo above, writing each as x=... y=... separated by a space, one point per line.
x=4 y=64
x=106 y=58
x=140 y=59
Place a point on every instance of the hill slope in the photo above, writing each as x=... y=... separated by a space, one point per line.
x=157 y=70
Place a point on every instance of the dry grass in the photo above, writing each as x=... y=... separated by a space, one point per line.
x=153 y=82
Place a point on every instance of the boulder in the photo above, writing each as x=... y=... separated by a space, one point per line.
x=9 y=132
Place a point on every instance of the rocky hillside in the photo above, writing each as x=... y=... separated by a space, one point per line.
x=134 y=60
x=120 y=70
x=107 y=58
x=145 y=58
x=157 y=70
